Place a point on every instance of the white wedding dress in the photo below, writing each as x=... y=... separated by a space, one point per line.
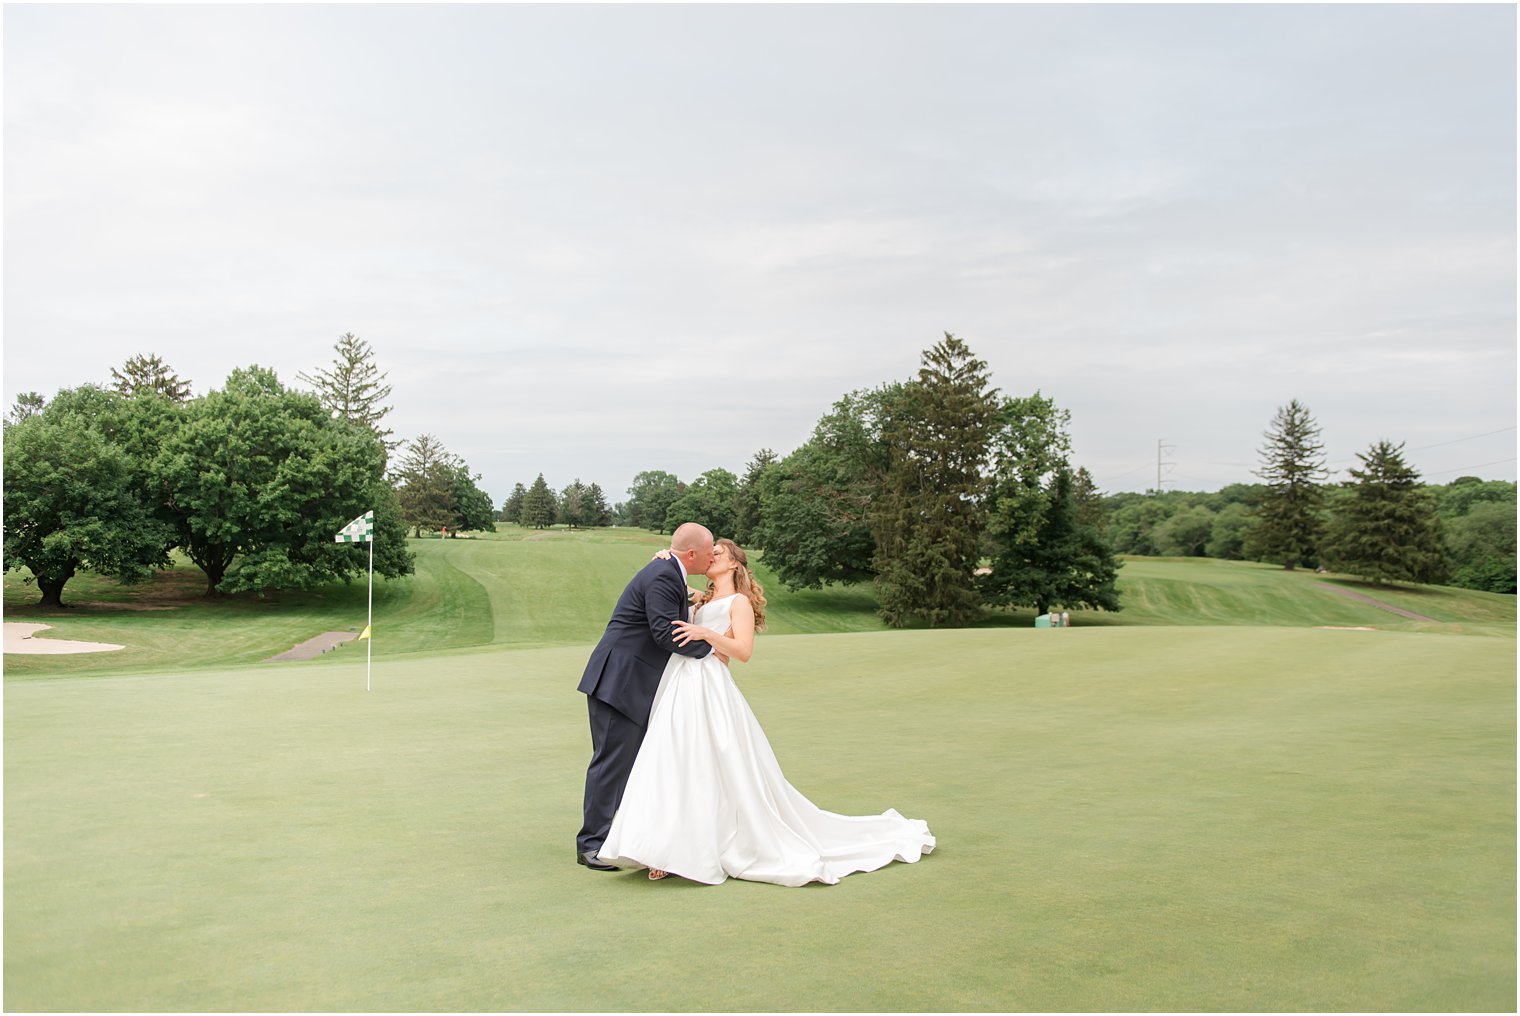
x=706 y=799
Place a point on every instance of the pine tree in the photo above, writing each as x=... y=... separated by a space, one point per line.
x=424 y=483
x=354 y=388
x=1288 y=521
x=1386 y=528
x=596 y=511
x=929 y=516
x=747 y=500
x=150 y=375
x=538 y=505
x=1089 y=500
x=1067 y=564
x=28 y=405
x=512 y=507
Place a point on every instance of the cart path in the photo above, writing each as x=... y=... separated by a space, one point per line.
x=314 y=647
x=1379 y=604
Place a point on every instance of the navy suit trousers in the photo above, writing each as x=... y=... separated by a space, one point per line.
x=615 y=741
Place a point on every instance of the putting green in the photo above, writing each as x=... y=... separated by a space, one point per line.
x=1128 y=818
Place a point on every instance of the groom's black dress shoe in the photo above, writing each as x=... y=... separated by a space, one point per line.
x=589 y=859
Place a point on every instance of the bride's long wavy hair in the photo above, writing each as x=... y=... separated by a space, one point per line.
x=744 y=582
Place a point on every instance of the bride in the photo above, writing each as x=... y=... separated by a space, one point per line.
x=706 y=799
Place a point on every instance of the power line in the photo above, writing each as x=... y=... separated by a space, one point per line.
x=1443 y=472
x=1443 y=444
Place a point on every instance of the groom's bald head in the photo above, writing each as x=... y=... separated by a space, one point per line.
x=692 y=542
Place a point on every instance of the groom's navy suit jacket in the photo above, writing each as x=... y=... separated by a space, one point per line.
x=625 y=667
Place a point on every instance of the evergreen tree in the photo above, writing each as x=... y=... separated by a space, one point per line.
x=1089 y=500
x=425 y=485
x=929 y=516
x=1288 y=521
x=1386 y=528
x=512 y=507
x=355 y=388
x=28 y=404
x=1067 y=564
x=747 y=498
x=539 y=506
x=596 y=511
x=150 y=375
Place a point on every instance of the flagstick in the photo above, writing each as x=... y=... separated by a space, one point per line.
x=369 y=643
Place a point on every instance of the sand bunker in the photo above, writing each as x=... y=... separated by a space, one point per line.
x=18 y=639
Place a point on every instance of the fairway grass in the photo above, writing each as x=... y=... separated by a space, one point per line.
x=525 y=588
x=1143 y=818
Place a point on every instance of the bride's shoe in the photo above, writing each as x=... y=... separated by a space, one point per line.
x=655 y=874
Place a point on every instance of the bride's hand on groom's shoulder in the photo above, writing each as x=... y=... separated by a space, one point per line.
x=662 y=555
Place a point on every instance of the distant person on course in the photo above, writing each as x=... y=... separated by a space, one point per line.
x=706 y=798
x=624 y=671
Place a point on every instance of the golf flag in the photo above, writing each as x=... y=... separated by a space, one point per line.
x=360 y=530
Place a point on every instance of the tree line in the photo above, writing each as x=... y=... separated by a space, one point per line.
x=1382 y=523
x=946 y=494
x=250 y=481
x=951 y=497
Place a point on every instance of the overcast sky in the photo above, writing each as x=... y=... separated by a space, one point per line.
x=589 y=241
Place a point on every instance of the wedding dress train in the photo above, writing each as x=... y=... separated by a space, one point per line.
x=707 y=800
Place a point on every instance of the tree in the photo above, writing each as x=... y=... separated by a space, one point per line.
x=1066 y=564
x=1089 y=499
x=1030 y=446
x=512 y=507
x=539 y=506
x=259 y=478
x=425 y=477
x=747 y=498
x=650 y=498
x=929 y=515
x=28 y=404
x=571 y=508
x=1186 y=533
x=1480 y=546
x=150 y=375
x=1289 y=524
x=1478 y=523
x=1229 y=532
x=471 y=506
x=355 y=388
x=595 y=507
x=1386 y=528
x=710 y=500
x=813 y=526
x=75 y=498
x=1045 y=524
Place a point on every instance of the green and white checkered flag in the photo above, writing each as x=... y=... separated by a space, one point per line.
x=360 y=530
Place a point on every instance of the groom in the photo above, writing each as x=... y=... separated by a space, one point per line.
x=624 y=671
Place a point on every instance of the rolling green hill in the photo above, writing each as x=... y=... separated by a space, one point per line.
x=525 y=588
